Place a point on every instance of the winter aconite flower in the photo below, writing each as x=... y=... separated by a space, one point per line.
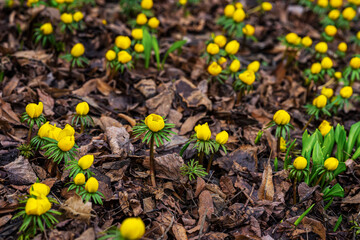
x=229 y=10
x=147 y=4
x=321 y=47
x=46 y=28
x=331 y=164
x=78 y=16
x=182 y=2
x=300 y=163
x=37 y=206
x=155 y=122
x=222 y=137
x=266 y=6
x=110 y=55
x=66 y=18
x=292 y=38
x=92 y=185
x=139 y=48
x=324 y=127
x=122 y=42
x=342 y=47
x=137 y=33
x=78 y=50
x=320 y=101
x=212 y=48
x=34 y=110
x=124 y=57
x=44 y=130
x=39 y=189
x=232 y=47
x=153 y=22
x=214 y=69
x=330 y=30
x=86 y=161
x=323 y=3
x=282 y=145
x=82 y=108
x=203 y=132
x=254 y=66
x=355 y=63
x=222 y=60
x=334 y=14
x=328 y=92
x=235 y=66
x=220 y=40
x=315 y=68
x=141 y=19
x=349 y=13
x=79 y=179
x=281 y=117
x=306 y=41
x=346 y=92
x=132 y=228
x=239 y=15
x=66 y=143
x=326 y=63
x=247 y=77
x=336 y=3
x=248 y=30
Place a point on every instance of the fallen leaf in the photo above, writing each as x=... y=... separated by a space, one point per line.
x=266 y=190
x=75 y=208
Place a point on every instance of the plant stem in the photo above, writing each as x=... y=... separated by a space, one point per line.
x=254 y=10
x=294 y=188
x=29 y=135
x=318 y=181
x=70 y=68
x=308 y=122
x=278 y=144
x=201 y=158
x=152 y=162
x=210 y=163
x=82 y=127
x=239 y=97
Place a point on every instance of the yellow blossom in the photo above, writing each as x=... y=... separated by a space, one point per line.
x=306 y=41
x=92 y=185
x=79 y=179
x=254 y=66
x=153 y=22
x=220 y=40
x=137 y=33
x=214 y=69
x=203 y=132
x=124 y=57
x=34 y=110
x=37 y=206
x=282 y=144
x=300 y=163
x=324 y=127
x=355 y=63
x=346 y=92
x=78 y=16
x=247 y=77
x=342 y=47
x=326 y=63
x=266 y=6
x=327 y=92
x=232 y=47
x=239 y=15
x=147 y=4
x=86 y=161
x=292 y=38
x=212 y=48
x=235 y=66
x=349 y=13
x=66 y=18
x=334 y=14
x=110 y=55
x=139 y=48
x=222 y=137
x=155 y=122
x=132 y=228
x=281 y=117
x=248 y=30
x=39 y=189
x=66 y=143
x=122 y=42
x=229 y=10
x=315 y=68
x=141 y=19
x=331 y=164
x=46 y=28
x=77 y=50
x=330 y=30
x=320 y=101
x=321 y=47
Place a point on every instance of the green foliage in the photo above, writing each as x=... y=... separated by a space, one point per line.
x=96 y=197
x=86 y=120
x=193 y=169
x=26 y=150
x=52 y=151
x=31 y=121
x=296 y=223
x=112 y=233
x=75 y=169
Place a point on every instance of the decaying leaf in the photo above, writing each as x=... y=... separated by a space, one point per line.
x=75 y=208
x=266 y=190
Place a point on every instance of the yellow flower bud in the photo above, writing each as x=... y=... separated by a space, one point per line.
x=60 y=1
x=315 y=68
x=292 y=38
x=266 y=6
x=222 y=60
x=92 y=185
x=346 y=92
x=39 y=189
x=141 y=19
x=82 y=108
x=132 y=228
x=336 y=3
x=122 y=42
x=137 y=33
x=54 y=133
x=155 y=122
x=306 y=41
x=248 y=30
x=79 y=179
x=342 y=47
x=212 y=48
x=239 y=15
x=110 y=55
x=44 y=130
x=182 y=2
x=338 y=75
x=239 y=5
x=232 y=47
x=247 y=77
x=282 y=144
x=281 y=117
x=46 y=28
x=153 y=23
x=358 y=35
x=69 y=1
x=86 y=161
x=222 y=137
x=355 y=2
x=104 y=22
x=323 y=3
x=327 y=92
x=139 y=48
x=203 y=132
x=34 y=110
x=66 y=143
x=330 y=30
x=254 y=66
x=349 y=13
x=78 y=16
x=324 y=127
x=326 y=63
x=77 y=50
x=220 y=40
x=37 y=206
x=69 y=130
x=124 y=57
x=355 y=63
x=229 y=10
x=235 y=66
x=66 y=18
x=147 y=4
x=321 y=47
x=331 y=164
x=334 y=14
x=300 y=163
x=320 y=101
x=214 y=69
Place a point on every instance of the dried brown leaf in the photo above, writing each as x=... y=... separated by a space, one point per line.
x=75 y=208
x=266 y=190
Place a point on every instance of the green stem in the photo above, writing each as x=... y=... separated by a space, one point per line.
x=82 y=127
x=152 y=162
x=70 y=68
x=279 y=143
x=308 y=122
x=318 y=181
x=210 y=162
x=239 y=97
x=294 y=188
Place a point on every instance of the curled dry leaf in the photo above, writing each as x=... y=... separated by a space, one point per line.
x=75 y=208
x=266 y=190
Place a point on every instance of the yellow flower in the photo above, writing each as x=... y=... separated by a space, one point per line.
x=104 y=22
x=356 y=2
x=338 y=75
x=92 y=185
x=326 y=63
x=79 y=179
x=132 y=228
x=281 y=117
x=229 y=10
x=110 y=55
x=46 y=28
x=147 y=4
x=34 y=110
x=155 y=122
x=39 y=189
x=30 y=2
x=220 y=40
x=323 y=3
x=239 y=5
x=321 y=47
x=334 y=14
x=141 y=19
x=212 y=48
x=232 y=47
x=330 y=30
x=282 y=144
x=182 y=2
x=324 y=127
x=44 y=130
x=346 y=92
x=306 y=41
x=336 y=3
x=203 y=132
x=358 y=35
x=78 y=16
x=124 y=57
x=222 y=137
x=222 y=60
x=327 y=92
x=137 y=33
x=153 y=23
x=122 y=42
x=349 y=13
x=292 y=38
x=315 y=68
x=86 y=161
x=342 y=47
x=66 y=143
x=37 y=206
x=69 y=1
x=66 y=18
x=235 y=66
x=320 y=101
x=77 y=50
x=54 y=132
x=355 y=63
x=254 y=66
x=300 y=163
x=139 y=48
x=82 y=108
x=239 y=15
x=248 y=30
x=69 y=130
x=60 y=1
x=247 y=77
x=214 y=69
x=266 y=6
x=331 y=164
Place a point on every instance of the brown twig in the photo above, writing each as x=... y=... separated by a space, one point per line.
x=201 y=158
x=294 y=190
x=152 y=162
x=308 y=122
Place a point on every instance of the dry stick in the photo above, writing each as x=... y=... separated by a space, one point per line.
x=294 y=189
x=252 y=190
x=152 y=161
x=203 y=223
x=239 y=97
x=318 y=181
x=210 y=162
x=308 y=122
